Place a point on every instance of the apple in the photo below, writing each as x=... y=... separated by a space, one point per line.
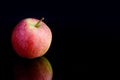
x=38 y=69
x=31 y=38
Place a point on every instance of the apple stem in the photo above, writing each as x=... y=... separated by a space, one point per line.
x=38 y=23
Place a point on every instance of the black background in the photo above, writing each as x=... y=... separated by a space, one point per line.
x=81 y=31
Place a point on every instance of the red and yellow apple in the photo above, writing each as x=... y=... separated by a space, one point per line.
x=38 y=69
x=31 y=38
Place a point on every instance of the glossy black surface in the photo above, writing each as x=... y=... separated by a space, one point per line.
x=81 y=32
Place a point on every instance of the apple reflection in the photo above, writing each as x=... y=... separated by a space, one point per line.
x=38 y=69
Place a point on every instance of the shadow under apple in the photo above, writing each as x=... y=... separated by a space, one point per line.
x=37 y=69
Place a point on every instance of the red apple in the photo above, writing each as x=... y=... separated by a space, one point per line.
x=38 y=69
x=31 y=38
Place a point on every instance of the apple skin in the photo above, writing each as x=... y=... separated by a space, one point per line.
x=38 y=69
x=30 y=41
